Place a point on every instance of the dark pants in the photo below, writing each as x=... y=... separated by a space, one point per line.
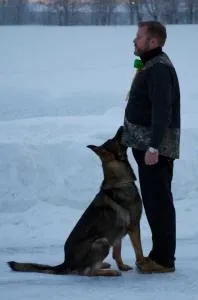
x=155 y=185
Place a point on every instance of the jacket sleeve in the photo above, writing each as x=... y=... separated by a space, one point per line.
x=160 y=95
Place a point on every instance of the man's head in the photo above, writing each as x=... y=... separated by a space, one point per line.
x=150 y=35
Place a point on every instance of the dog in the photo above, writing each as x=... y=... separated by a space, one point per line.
x=115 y=211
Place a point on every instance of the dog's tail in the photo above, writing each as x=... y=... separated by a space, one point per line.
x=38 y=268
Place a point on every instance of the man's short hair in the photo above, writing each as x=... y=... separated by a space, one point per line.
x=155 y=29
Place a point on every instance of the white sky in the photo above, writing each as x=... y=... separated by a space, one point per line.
x=61 y=89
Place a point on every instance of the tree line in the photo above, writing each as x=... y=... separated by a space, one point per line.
x=97 y=12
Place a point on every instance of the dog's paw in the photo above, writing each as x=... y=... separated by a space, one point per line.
x=124 y=267
x=105 y=265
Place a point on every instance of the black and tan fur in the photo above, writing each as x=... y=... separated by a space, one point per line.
x=114 y=212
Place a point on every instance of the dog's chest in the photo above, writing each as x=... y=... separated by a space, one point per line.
x=122 y=215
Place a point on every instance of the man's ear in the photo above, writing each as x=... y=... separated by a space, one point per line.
x=154 y=42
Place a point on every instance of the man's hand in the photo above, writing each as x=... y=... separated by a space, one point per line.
x=151 y=157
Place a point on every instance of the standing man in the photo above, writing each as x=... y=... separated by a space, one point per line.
x=152 y=130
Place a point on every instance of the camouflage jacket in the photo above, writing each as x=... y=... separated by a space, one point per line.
x=139 y=131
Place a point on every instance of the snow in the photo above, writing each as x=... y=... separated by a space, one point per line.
x=60 y=90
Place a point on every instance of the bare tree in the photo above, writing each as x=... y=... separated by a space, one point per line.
x=3 y=10
x=190 y=6
x=169 y=11
x=135 y=10
x=139 y=10
x=102 y=11
x=62 y=9
x=17 y=10
x=174 y=4
x=153 y=8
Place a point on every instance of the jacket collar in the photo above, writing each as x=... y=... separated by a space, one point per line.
x=150 y=54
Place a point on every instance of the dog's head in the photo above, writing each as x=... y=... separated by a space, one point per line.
x=112 y=149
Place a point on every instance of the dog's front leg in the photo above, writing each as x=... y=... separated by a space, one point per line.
x=117 y=256
x=135 y=238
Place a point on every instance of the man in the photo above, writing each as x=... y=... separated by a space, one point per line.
x=152 y=129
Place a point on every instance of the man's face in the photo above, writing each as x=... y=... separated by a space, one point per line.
x=142 y=41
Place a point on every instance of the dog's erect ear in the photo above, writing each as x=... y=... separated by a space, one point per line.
x=95 y=149
x=119 y=133
x=98 y=150
x=92 y=147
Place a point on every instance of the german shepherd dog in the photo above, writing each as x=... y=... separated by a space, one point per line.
x=115 y=211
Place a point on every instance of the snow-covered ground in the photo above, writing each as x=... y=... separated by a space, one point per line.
x=61 y=89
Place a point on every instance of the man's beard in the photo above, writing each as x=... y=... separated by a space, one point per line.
x=139 y=52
